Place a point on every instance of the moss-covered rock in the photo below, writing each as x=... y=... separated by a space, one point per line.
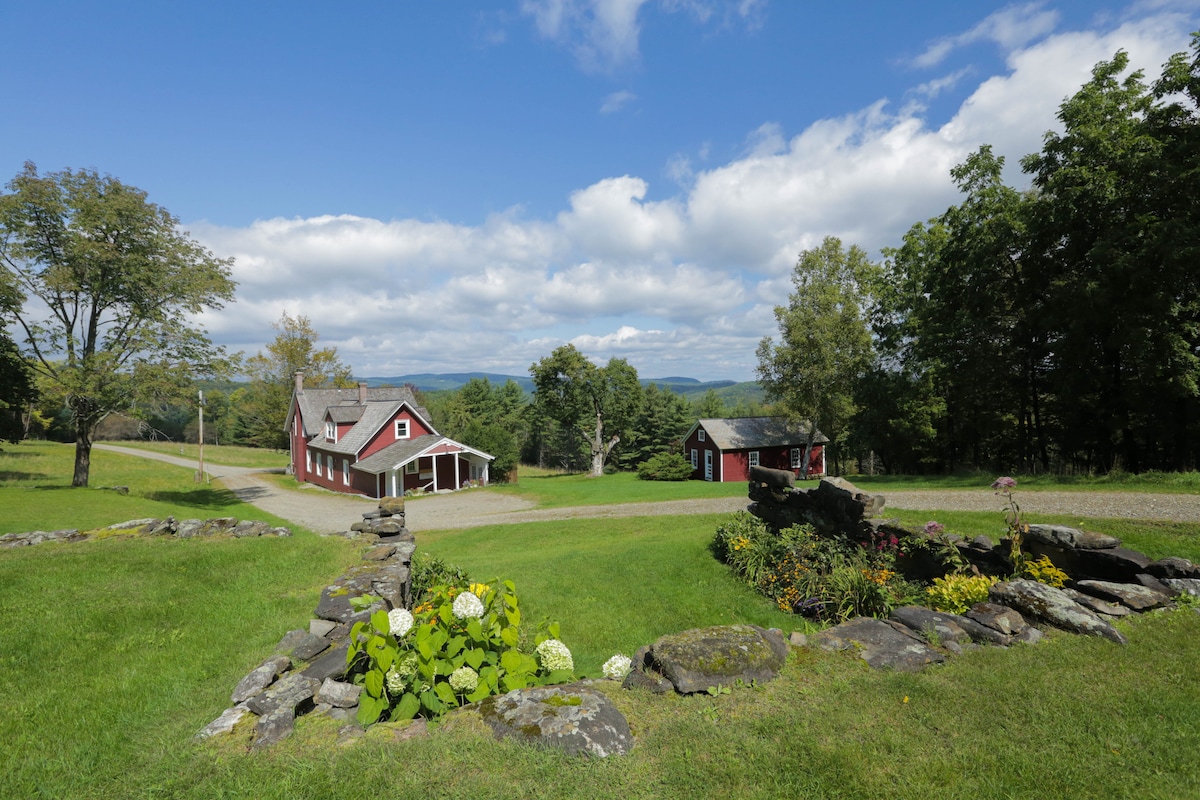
x=704 y=658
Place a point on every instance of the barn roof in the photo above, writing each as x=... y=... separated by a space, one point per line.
x=749 y=432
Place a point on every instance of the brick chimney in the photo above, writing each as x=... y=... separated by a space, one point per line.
x=362 y=393
x=299 y=376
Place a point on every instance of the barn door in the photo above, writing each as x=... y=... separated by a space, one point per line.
x=708 y=465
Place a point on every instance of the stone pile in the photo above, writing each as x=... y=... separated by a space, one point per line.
x=302 y=676
x=1106 y=581
x=181 y=529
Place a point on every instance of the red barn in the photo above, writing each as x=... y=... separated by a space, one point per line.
x=723 y=450
x=375 y=442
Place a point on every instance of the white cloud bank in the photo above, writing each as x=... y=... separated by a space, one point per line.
x=680 y=286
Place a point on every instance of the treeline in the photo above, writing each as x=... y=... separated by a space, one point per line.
x=1056 y=328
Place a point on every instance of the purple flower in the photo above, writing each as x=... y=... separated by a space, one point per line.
x=934 y=528
x=1003 y=485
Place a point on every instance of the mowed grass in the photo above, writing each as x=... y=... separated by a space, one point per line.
x=561 y=490
x=214 y=454
x=1150 y=482
x=36 y=492
x=114 y=652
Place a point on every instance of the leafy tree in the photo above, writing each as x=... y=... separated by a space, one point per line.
x=108 y=282
x=595 y=405
x=709 y=406
x=490 y=418
x=1117 y=230
x=662 y=421
x=263 y=406
x=825 y=343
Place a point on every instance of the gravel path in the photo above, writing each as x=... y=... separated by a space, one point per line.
x=323 y=511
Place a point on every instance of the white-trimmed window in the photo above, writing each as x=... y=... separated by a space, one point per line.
x=797 y=457
x=411 y=467
x=345 y=472
x=401 y=429
x=307 y=460
x=329 y=463
x=318 y=465
x=330 y=431
x=753 y=458
x=695 y=459
x=700 y=435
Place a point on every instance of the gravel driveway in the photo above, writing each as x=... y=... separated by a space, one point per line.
x=324 y=511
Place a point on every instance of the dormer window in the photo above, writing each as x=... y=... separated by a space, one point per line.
x=330 y=431
x=700 y=435
x=401 y=429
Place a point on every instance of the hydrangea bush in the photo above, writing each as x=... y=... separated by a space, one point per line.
x=457 y=647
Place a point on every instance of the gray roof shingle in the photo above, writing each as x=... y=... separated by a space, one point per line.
x=746 y=432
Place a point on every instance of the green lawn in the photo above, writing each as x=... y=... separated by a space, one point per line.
x=1153 y=482
x=560 y=490
x=36 y=491
x=215 y=454
x=114 y=652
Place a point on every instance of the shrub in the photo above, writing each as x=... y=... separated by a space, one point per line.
x=957 y=593
x=458 y=647
x=1043 y=571
x=428 y=571
x=665 y=467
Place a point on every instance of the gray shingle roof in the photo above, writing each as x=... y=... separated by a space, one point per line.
x=374 y=417
x=404 y=451
x=740 y=434
x=345 y=413
x=314 y=402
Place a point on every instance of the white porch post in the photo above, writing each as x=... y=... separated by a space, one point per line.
x=457 y=480
x=435 y=480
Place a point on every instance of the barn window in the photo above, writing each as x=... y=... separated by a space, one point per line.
x=797 y=457
x=318 y=465
x=411 y=467
x=700 y=435
x=753 y=457
x=345 y=472
x=695 y=459
x=329 y=463
x=401 y=429
x=330 y=431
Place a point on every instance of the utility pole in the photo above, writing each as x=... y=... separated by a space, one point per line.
x=200 y=474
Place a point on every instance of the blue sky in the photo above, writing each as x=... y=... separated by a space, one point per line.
x=444 y=187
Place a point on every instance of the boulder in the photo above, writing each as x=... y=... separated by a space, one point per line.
x=1052 y=606
x=883 y=645
x=572 y=718
x=260 y=678
x=999 y=618
x=288 y=692
x=1118 y=564
x=1070 y=538
x=934 y=626
x=1102 y=607
x=224 y=723
x=187 y=528
x=1183 y=585
x=251 y=527
x=310 y=646
x=338 y=694
x=703 y=658
x=392 y=505
x=1132 y=595
x=1173 y=568
x=330 y=664
x=773 y=478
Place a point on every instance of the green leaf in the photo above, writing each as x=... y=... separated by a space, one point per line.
x=558 y=676
x=381 y=622
x=514 y=680
x=474 y=659
x=513 y=615
x=455 y=645
x=430 y=701
x=373 y=682
x=475 y=630
x=510 y=637
x=446 y=694
x=369 y=709
x=481 y=691
x=407 y=708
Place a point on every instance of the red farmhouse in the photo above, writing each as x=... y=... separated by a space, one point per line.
x=374 y=442
x=723 y=450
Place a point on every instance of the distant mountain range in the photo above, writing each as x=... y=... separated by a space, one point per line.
x=729 y=391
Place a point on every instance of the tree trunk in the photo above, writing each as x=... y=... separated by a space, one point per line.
x=83 y=454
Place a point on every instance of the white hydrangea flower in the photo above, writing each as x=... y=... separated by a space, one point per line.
x=464 y=680
x=406 y=666
x=617 y=667
x=555 y=655
x=467 y=606
x=400 y=621
x=395 y=681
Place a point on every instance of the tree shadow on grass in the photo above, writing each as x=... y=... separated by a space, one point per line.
x=13 y=475
x=197 y=498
